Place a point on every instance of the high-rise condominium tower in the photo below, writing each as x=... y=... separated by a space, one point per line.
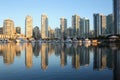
x=76 y=24
x=116 y=16
x=63 y=26
x=8 y=27
x=84 y=27
x=99 y=24
x=28 y=26
x=44 y=26
x=110 y=24
x=36 y=32
x=18 y=30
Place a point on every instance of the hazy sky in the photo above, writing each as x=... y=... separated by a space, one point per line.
x=18 y=9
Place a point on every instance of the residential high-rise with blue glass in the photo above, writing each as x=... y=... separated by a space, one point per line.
x=76 y=24
x=99 y=24
x=116 y=4
x=63 y=27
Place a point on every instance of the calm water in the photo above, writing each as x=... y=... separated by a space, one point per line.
x=59 y=62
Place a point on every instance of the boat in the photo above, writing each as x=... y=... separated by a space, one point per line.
x=86 y=41
x=94 y=41
x=40 y=41
x=80 y=41
x=57 y=41
x=68 y=40
x=20 y=40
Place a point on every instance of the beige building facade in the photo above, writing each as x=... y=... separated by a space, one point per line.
x=8 y=27
x=28 y=26
x=44 y=26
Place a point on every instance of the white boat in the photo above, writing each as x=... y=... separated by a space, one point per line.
x=80 y=41
x=20 y=40
x=87 y=41
x=57 y=41
x=68 y=40
x=40 y=41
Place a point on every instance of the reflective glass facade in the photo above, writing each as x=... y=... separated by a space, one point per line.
x=116 y=16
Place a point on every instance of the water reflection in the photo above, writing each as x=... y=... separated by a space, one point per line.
x=28 y=55
x=63 y=56
x=9 y=51
x=36 y=50
x=117 y=64
x=44 y=56
x=104 y=57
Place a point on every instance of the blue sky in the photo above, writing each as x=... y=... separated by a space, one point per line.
x=17 y=10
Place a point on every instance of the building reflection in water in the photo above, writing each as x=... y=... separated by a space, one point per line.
x=36 y=49
x=75 y=58
x=18 y=50
x=28 y=55
x=117 y=65
x=100 y=58
x=108 y=57
x=103 y=56
x=51 y=50
x=84 y=55
x=8 y=53
x=58 y=49
x=44 y=56
x=63 y=56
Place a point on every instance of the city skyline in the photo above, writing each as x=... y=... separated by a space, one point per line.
x=60 y=39
x=35 y=8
